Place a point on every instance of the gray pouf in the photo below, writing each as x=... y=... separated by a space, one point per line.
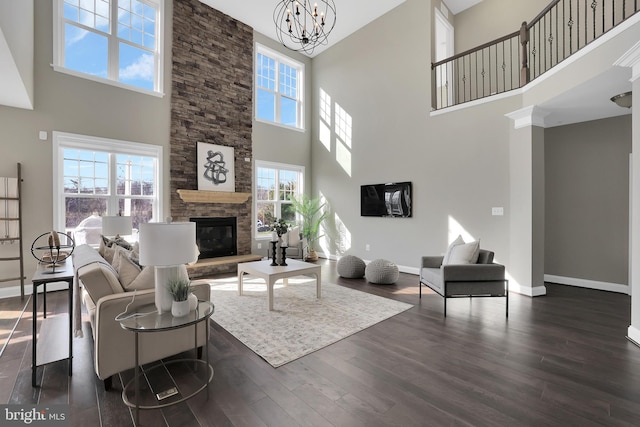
x=382 y=272
x=351 y=267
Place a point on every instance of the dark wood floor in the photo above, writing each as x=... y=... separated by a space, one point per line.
x=559 y=360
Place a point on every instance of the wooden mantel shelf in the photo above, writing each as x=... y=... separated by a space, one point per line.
x=196 y=196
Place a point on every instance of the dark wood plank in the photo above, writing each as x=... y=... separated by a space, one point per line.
x=559 y=360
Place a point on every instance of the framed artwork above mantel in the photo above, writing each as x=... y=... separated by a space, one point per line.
x=216 y=169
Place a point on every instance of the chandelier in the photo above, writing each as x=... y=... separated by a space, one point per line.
x=301 y=25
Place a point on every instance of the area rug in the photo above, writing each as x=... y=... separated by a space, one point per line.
x=8 y=322
x=300 y=323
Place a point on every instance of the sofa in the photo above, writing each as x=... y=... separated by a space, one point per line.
x=464 y=271
x=108 y=284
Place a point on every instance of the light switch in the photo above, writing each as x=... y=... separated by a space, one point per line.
x=499 y=211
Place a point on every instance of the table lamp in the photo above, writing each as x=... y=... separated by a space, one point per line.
x=116 y=225
x=167 y=246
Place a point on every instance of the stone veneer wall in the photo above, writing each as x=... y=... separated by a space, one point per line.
x=211 y=101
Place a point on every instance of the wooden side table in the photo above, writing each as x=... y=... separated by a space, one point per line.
x=43 y=276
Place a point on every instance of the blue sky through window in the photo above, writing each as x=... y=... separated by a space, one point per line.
x=89 y=29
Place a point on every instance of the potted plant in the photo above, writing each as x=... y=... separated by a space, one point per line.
x=312 y=214
x=180 y=291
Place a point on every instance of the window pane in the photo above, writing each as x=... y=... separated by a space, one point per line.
x=85 y=51
x=266 y=72
x=82 y=218
x=288 y=213
x=71 y=13
x=265 y=184
x=140 y=210
x=266 y=102
x=137 y=67
x=288 y=81
x=102 y=8
x=265 y=218
x=288 y=112
x=288 y=184
x=71 y=185
x=79 y=208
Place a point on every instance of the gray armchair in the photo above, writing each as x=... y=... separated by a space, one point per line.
x=483 y=279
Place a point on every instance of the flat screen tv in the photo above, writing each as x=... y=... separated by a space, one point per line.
x=393 y=199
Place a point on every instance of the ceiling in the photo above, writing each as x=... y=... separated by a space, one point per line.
x=351 y=15
x=590 y=100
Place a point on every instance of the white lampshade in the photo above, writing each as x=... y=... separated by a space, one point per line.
x=113 y=225
x=167 y=243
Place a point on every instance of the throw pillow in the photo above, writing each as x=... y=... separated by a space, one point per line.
x=145 y=280
x=459 y=241
x=127 y=271
x=108 y=253
x=119 y=252
x=465 y=254
x=294 y=236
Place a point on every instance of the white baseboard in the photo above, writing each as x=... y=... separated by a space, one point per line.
x=536 y=291
x=633 y=334
x=589 y=284
x=14 y=291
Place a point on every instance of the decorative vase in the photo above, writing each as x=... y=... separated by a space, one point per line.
x=193 y=302
x=180 y=308
x=312 y=255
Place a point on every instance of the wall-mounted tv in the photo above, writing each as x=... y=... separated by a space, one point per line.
x=393 y=199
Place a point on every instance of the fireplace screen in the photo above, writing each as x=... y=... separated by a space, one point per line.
x=216 y=237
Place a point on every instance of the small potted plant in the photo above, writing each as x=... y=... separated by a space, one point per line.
x=180 y=291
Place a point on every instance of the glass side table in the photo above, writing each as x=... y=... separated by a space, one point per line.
x=140 y=323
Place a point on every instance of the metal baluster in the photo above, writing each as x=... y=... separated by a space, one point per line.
x=603 y=13
x=570 y=24
x=557 y=34
x=624 y=9
x=476 y=75
x=613 y=14
x=578 y=24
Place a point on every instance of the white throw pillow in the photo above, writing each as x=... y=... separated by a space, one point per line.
x=465 y=254
x=447 y=255
x=128 y=271
x=294 y=236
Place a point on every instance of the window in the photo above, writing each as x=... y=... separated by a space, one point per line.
x=279 y=83
x=95 y=177
x=275 y=184
x=118 y=41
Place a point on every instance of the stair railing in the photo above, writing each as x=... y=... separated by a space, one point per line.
x=510 y=62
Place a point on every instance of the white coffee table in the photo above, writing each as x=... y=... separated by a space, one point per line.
x=271 y=274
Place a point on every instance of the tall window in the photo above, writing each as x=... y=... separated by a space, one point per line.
x=95 y=177
x=279 y=83
x=116 y=40
x=275 y=184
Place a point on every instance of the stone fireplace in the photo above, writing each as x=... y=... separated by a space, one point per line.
x=211 y=101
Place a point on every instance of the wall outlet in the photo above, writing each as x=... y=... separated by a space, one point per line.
x=259 y=245
x=497 y=211
x=367 y=247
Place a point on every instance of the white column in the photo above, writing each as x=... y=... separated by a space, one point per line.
x=632 y=59
x=526 y=168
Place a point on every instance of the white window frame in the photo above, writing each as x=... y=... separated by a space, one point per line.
x=280 y=58
x=278 y=166
x=62 y=140
x=113 y=57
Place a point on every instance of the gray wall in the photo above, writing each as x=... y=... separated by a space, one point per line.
x=587 y=200
x=76 y=105
x=491 y=19
x=458 y=162
x=278 y=143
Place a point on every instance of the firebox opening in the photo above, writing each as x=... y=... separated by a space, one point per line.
x=216 y=237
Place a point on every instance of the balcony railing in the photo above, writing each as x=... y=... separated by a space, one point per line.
x=510 y=62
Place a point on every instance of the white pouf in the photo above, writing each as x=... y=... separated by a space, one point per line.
x=351 y=267
x=382 y=272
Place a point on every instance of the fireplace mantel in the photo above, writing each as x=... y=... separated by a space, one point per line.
x=197 y=196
